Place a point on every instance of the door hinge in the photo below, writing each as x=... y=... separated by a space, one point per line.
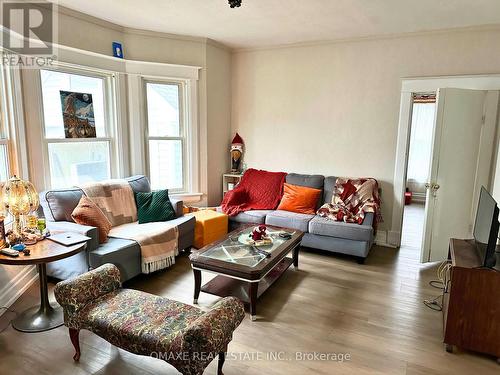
x=483 y=119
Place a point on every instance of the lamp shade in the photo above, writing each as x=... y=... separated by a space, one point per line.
x=19 y=197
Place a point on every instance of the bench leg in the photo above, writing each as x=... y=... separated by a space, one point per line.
x=73 y=334
x=222 y=358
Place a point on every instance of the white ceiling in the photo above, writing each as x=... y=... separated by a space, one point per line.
x=261 y=23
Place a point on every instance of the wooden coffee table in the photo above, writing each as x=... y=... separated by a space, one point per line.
x=242 y=270
x=43 y=317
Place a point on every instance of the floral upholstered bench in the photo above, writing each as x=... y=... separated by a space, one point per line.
x=141 y=323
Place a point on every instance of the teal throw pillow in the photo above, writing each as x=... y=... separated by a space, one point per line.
x=154 y=206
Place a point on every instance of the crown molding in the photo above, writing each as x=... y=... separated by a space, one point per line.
x=489 y=27
x=85 y=17
x=220 y=45
x=235 y=50
x=158 y=34
x=133 y=31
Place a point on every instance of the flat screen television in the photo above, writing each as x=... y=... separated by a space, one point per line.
x=486 y=228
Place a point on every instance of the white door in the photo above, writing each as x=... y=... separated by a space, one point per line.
x=454 y=177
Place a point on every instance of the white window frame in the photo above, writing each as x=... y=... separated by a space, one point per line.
x=13 y=121
x=4 y=119
x=184 y=132
x=110 y=113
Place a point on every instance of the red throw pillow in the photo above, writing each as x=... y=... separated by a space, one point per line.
x=87 y=213
x=299 y=199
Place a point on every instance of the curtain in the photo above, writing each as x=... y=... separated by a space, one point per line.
x=422 y=126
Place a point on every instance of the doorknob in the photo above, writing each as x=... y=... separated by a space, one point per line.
x=427 y=185
x=435 y=187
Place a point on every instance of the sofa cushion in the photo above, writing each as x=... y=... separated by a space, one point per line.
x=185 y=225
x=123 y=253
x=309 y=180
x=59 y=204
x=328 y=189
x=251 y=217
x=351 y=231
x=290 y=220
x=314 y=181
x=139 y=184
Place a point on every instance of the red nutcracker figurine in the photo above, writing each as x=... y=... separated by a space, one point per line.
x=259 y=232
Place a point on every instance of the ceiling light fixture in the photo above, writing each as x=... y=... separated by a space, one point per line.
x=234 y=3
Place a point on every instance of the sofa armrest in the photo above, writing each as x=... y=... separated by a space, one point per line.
x=75 y=293
x=67 y=226
x=212 y=331
x=178 y=205
x=369 y=218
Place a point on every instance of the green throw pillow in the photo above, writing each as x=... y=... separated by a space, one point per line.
x=154 y=206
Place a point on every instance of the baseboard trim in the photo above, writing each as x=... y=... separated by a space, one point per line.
x=394 y=238
x=17 y=286
x=383 y=238
x=385 y=244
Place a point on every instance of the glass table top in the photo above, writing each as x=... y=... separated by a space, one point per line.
x=236 y=249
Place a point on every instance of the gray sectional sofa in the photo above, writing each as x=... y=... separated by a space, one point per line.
x=320 y=233
x=57 y=207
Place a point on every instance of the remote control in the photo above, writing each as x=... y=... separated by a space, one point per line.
x=10 y=252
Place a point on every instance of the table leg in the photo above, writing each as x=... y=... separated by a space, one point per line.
x=197 y=285
x=253 y=289
x=296 y=256
x=40 y=318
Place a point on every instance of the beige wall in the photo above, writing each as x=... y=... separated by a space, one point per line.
x=218 y=119
x=333 y=108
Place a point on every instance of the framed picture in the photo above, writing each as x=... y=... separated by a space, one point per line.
x=117 y=50
x=78 y=114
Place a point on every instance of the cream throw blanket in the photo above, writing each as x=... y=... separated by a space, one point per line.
x=158 y=241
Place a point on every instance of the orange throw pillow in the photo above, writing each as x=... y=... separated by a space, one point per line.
x=299 y=199
x=87 y=213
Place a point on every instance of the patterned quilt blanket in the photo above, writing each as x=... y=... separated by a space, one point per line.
x=158 y=240
x=352 y=199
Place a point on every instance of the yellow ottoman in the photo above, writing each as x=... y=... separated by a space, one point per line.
x=210 y=226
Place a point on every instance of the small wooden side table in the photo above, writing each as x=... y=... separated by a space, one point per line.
x=44 y=317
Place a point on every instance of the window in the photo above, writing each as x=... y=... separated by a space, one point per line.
x=73 y=161
x=421 y=141
x=4 y=140
x=166 y=130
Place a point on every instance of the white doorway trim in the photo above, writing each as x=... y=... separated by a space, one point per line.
x=423 y=84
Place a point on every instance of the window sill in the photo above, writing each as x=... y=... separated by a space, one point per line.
x=189 y=197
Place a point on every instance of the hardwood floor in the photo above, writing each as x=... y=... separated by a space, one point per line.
x=373 y=312
x=413 y=226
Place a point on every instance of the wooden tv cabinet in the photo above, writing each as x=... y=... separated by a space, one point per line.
x=471 y=303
